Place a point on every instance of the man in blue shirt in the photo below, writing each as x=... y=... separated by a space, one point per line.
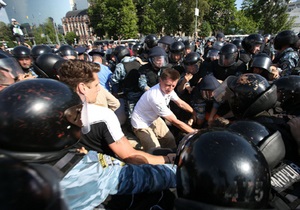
x=105 y=73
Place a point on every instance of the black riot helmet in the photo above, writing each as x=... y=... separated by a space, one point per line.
x=206 y=87
x=150 y=41
x=252 y=94
x=165 y=42
x=267 y=36
x=262 y=61
x=220 y=36
x=223 y=169
x=21 y=52
x=228 y=55
x=39 y=119
x=266 y=141
x=137 y=49
x=191 y=58
x=176 y=51
x=191 y=62
x=189 y=45
x=238 y=43
x=251 y=41
x=218 y=45
x=288 y=91
x=45 y=64
x=285 y=38
x=177 y=47
x=29 y=186
x=66 y=50
x=212 y=55
x=38 y=50
x=120 y=52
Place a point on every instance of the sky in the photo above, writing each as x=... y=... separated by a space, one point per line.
x=37 y=11
x=238 y=3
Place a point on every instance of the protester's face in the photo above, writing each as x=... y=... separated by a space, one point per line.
x=25 y=62
x=93 y=89
x=167 y=85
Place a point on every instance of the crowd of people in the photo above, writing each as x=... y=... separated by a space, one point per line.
x=216 y=120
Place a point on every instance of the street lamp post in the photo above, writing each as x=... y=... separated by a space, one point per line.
x=196 y=17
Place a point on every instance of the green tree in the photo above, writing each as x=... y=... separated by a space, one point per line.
x=221 y=14
x=5 y=32
x=205 y=29
x=165 y=19
x=146 y=15
x=70 y=37
x=49 y=29
x=187 y=15
x=242 y=24
x=39 y=35
x=114 y=18
x=271 y=16
x=96 y=15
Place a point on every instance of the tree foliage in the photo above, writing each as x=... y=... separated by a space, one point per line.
x=220 y=15
x=174 y=17
x=242 y=24
x=70 y=38
x=5 y=32
x=114 y=18
x=270 y=16
x=205 y=29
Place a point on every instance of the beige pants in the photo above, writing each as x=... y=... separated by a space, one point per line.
x=155 y=136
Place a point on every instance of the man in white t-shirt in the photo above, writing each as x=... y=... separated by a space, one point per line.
x=146 y=119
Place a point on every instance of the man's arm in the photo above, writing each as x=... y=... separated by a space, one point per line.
x=185 y=106
x=123 y=149
x=178 y=123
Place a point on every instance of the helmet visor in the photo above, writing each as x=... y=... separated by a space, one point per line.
x=12 y=66
x=227 y=60
x=192 y=69
x=176 y=57
x=159 y=61
x=164 y=46
x=213 y=54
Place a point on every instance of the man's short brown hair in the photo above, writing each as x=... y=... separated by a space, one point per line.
x=170 y=73
x=73 y=72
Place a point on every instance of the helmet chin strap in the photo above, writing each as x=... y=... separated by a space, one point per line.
x=84 y=118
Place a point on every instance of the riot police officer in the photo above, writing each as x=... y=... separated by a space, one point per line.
x=228 y=63
x=23 y=55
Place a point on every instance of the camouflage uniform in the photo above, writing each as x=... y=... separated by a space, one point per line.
x=287 y=61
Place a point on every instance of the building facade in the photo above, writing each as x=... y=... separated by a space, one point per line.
x=78 y=21
x=294 y=11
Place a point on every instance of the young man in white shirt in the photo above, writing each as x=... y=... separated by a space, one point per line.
x=146 y=119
